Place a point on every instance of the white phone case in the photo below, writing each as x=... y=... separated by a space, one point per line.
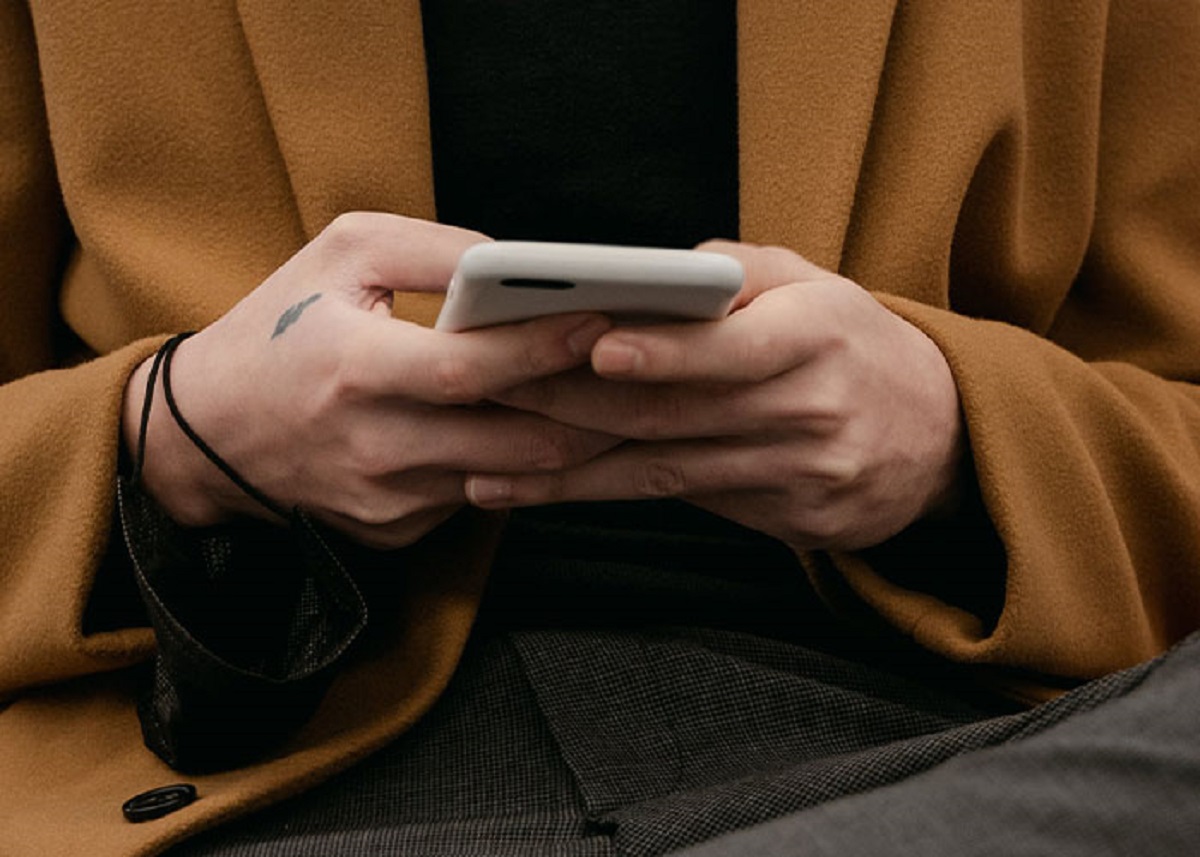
x=507 y=281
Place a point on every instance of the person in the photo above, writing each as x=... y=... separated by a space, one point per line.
x=941 y=456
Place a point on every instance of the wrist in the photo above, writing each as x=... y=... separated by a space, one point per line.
x=946 y=428
x=946 y=502
x=174 y=472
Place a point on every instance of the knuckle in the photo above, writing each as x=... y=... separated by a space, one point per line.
x=721 y=245
x=346 y=249
x=759 y=352
x=548 y=449
x=367 y=459
x=776 y=253
x=823 y=526
x=828 y=407
x=373 y=514
x=333 y=382
x=348 y=376
x=788 y=265
x=659 y=478
x=455 y=381
x=365 y=504
x=385 y=536
x=345 y=234
x=390 y=510
x=536 y=360
x=838 y=342
x=418 y=520
x=789 y=413
x=783 y=265
x=841 y=472
x=656 y=413
x=845 y=305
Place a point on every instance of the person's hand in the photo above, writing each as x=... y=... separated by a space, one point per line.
x=811 y=413
x=317 y=397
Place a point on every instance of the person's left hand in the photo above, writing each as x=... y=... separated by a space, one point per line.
x=811 y=413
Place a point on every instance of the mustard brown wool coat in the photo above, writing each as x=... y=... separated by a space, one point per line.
x=1020 y=180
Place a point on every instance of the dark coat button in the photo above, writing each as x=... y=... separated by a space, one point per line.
x=158 y=802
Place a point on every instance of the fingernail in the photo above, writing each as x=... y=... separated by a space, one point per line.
x=487 y=491
x=581 y=339
x=616 y=357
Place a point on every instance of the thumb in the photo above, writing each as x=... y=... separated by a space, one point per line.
x=766 y=267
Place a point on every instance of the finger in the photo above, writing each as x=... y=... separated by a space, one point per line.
x=777 y=332
x=393 y=252
x=397 y=358
x=668 y=411
x=765 y=267
x=633 y=472
x=398 y=532
x=499 y=440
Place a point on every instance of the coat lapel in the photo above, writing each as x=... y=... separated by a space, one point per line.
x=808 y=75
x=345 y=87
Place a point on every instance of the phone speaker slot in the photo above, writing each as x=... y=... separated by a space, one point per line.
x=537 y=283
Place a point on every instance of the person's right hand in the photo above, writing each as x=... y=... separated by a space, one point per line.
x=319 y=398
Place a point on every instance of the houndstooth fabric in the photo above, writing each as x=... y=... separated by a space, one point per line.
x=1113 y=769
x=597 y=742
x=665 y=681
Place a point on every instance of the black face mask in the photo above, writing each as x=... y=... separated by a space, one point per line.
x=250 y=619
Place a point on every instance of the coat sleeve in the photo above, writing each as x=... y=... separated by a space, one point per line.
x=1085 y=441
x=58 y=428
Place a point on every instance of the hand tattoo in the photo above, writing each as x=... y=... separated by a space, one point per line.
x=292 y=314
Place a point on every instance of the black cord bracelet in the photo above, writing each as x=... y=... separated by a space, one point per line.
x=162 y=362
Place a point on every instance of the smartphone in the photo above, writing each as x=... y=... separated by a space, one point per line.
x=507 y=281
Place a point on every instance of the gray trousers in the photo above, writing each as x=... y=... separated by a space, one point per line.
x=1121 y=777
x=592 y=742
